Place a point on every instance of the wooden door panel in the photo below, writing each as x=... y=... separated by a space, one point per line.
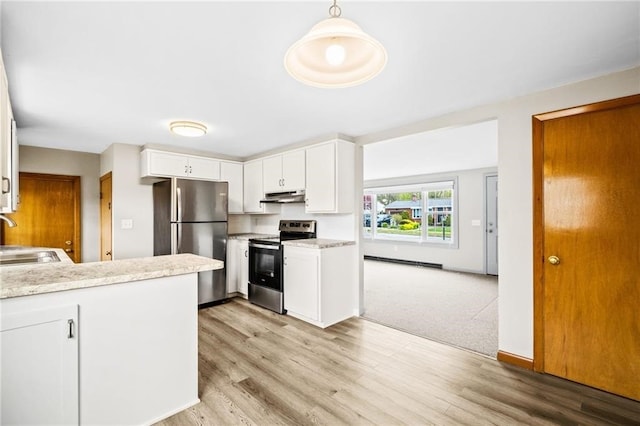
x=587 y=325
x=48 y=214
x=106 y=221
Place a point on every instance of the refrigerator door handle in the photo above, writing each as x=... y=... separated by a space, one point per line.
x=178 y=238
x=179 y=204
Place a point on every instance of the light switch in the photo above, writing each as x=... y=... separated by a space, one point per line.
x=475 y=222
x=126 y=224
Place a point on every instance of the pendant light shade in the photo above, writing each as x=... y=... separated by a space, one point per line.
x=335 y=53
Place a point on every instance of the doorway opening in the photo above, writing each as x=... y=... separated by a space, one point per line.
x=430 y=199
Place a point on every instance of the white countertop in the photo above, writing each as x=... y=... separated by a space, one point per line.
x=317 y=243
x=32 y=279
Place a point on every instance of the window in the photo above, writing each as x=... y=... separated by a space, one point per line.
x=396 y=213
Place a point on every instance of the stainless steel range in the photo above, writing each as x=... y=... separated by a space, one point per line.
x=265 y=263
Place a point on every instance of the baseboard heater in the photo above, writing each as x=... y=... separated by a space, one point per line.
x=405 y=262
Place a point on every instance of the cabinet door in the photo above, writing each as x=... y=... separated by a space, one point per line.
x=321 y=178
x=204 y=168
x=167 y=164
x=272 y=174
x=232 y=173
x=293 y=170
x=231 y=266
x=243 y=267
x=40 y=367
x=301 y=287
x=253 y=191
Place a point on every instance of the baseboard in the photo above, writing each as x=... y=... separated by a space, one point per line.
x=404 y=262
x=516 y=360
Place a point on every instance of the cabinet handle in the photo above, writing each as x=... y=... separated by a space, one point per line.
x=8 y=186
x=245 y=253
x=190 y=169
x=70 y=334
x=284 y=261
x=186 y=169
x=282 y=181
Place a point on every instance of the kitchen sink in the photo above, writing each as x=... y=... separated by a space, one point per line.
x=25 y=258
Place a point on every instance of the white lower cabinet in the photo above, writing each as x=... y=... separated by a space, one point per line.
x=238 y=267
x=301 y=282
x=39 y=375
x=320 y=285
x=242 y=255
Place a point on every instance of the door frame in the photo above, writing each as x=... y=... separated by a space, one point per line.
x=486 y=221
x=538 y=122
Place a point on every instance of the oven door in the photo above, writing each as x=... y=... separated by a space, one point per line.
x=265 y=265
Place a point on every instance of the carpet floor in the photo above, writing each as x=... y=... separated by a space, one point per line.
x=455 y=308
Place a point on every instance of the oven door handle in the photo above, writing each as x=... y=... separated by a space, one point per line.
x=264 y=246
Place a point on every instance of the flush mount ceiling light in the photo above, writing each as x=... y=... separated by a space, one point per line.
x=335 y=53
x=188 y=128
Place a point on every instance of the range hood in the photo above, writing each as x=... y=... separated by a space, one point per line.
x=284 y=197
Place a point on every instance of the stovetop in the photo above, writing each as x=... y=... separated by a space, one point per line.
x=291 y=230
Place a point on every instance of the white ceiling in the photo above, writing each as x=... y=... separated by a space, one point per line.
x=444 y=150
x=84 y=75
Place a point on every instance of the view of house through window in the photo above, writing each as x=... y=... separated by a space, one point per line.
x=420 y=213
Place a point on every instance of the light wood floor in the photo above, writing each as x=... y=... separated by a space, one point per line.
x=257 y=367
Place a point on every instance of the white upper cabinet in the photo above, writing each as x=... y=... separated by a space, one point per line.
x=330 y=177
x=232 y=173
x=8 y=149
x=254 y=190
x=169 y=164
x=284 y=172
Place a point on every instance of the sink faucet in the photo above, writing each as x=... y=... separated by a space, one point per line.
x=11 y=222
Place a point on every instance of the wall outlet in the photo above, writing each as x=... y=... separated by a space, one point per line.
x=126 y=224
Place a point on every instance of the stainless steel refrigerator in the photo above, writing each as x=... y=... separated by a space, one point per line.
x=190 y=216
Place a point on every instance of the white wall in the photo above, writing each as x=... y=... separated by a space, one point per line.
x=131 y=200
x=469 y=255
x=515 y=185
x=86 y=165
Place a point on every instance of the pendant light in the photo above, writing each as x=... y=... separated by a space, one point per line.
x=335 y=53
x=190 y=129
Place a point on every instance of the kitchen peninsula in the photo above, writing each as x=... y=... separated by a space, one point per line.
x=100 y=343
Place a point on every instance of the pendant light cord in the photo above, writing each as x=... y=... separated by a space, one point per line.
x=334 y=10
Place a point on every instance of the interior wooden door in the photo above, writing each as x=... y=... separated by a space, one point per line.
x=587 y=245
x=106 y=221
x=48 y=214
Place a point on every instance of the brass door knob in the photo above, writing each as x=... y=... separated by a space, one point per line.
x=554 y=260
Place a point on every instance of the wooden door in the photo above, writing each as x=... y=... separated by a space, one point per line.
x=106 y=220
x=587 y=198
x=48 y=214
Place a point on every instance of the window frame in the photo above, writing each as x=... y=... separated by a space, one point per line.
x=424 y=187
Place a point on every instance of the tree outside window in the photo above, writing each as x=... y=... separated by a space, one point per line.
x=399 y=215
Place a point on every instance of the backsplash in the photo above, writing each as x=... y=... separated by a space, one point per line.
x=333 y=226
